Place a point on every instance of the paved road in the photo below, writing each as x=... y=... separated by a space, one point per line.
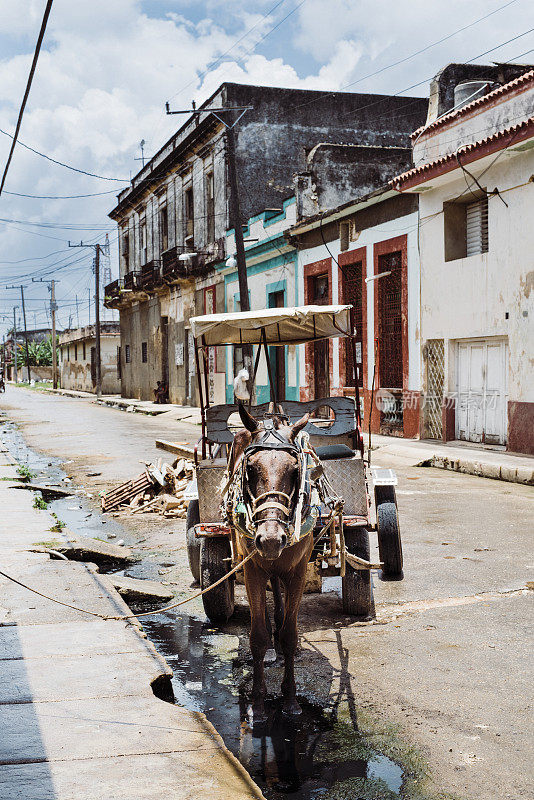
x=448 y=672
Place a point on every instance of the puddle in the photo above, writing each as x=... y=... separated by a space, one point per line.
x=74 y=510
x=314 y=757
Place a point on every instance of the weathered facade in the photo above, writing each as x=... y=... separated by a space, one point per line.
x=77 y=358
x=174 y=217
x=473 y=173
x=272 y=281
x=364 y=253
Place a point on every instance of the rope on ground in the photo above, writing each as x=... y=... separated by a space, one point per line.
x=132 y=616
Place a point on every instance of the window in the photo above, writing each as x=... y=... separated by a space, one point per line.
x=76 y=352
x=465 y=228
x=119 y=369
x=144 y=352
x=125 y=252
x=142 y=241
x=477 y=227
x=68 y=352
x=163 y=229
x=127 y=353
x=210 y=207
x=189 y=218
x=83 y=348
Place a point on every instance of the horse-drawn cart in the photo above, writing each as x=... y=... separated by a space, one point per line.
x=334 y=498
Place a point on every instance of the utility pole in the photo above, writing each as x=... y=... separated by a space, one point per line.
x=235 y=223
x=235 y=214
x=53 y=309
x=97 y=250
x=25 y=328
x=15 y=374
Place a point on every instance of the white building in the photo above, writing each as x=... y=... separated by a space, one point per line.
x=77 y=358
x=364 y=253
x=474 y=174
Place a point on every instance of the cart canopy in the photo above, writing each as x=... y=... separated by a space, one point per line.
x=281 y=325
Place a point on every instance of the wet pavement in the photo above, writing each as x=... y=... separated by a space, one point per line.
x=314 y=756
x=433 y=701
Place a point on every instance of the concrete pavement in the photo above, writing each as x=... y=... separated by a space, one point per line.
x=485 y=462
x=78 y=711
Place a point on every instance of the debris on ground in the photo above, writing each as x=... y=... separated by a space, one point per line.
x=160 y=489
x=85 y=548
x=143 y=591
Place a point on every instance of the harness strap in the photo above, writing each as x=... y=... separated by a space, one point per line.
x=256 y=500
x=272 y=504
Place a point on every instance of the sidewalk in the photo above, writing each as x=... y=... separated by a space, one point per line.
x=79 y=713
x=456 y=456
x=189 y=414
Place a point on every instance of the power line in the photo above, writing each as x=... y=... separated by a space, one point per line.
x=27 y=90
x=62 y=164
x=416 y=53
x=60 y=196
x=425 y=80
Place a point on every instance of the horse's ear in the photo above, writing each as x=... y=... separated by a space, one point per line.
x=247 y=419
x=298 y=426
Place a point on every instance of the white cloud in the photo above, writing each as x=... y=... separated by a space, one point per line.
x=107 y=68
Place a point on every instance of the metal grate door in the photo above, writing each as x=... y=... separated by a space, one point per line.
x=435 y=380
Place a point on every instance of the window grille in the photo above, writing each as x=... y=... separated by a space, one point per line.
x=144 y=352
x=127 y=353
x=477 y=227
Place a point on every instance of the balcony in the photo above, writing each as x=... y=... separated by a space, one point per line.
x=131 y=281
x=112 y=293
x=150 y=275
x=172 y=269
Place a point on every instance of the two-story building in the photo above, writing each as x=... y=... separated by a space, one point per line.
x=474 y=175
x=174 y=216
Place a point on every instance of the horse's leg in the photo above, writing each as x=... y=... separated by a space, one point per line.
x=294 y=583
x=256 y=583
x=278 y=608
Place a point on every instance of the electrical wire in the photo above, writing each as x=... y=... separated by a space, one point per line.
x=61 y=196
x=416 y=53
x=62 y=164
x=27 y=89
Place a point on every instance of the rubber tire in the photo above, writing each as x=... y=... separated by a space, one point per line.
x=389 y=539
x=219 y=602
x=356 y=586
x=192 y=541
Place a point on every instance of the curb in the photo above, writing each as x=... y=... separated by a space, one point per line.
x=483 y=469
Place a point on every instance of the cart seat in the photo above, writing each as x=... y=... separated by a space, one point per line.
x=330 y=451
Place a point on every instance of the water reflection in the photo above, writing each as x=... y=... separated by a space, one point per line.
x=312 y=756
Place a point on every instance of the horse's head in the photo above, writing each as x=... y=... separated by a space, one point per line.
x=271 y=479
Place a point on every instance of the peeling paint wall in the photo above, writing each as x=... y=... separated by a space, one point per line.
x=75 y=370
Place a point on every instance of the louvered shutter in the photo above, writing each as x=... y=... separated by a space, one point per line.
x=477 y=227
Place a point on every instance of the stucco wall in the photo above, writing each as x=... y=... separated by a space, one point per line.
x=76 y=373
x=471 y=297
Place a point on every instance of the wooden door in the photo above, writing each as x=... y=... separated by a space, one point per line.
x=165 y=351
x=277 y=355
x=321 y=350
x=482 y=394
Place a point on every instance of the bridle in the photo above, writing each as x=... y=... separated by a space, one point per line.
x=245 y=508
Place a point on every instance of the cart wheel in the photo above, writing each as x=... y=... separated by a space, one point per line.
x=389 y=540
x=356 y=587
x=192 y=541
x=215 y=561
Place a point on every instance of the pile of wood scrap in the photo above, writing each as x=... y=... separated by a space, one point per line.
x=160 y=488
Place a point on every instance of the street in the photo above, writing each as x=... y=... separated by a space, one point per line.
x=440 y=682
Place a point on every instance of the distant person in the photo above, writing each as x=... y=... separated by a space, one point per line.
x=161 y=393
x=2 y=383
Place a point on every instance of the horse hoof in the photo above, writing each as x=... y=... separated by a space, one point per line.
x=270 y=656
x=256 y=714
x=291 y=708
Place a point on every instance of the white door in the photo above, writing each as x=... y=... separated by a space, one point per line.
x=482 y=391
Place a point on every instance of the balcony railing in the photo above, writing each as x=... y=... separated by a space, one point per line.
x=112 y=291
x=150 y=275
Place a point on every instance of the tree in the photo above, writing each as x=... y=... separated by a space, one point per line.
x=39 y=353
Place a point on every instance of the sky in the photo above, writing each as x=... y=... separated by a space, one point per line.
x=107 y=67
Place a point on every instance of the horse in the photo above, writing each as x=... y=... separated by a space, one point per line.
x=271 y=482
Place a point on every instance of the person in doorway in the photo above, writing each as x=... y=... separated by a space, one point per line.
x=161 y=393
